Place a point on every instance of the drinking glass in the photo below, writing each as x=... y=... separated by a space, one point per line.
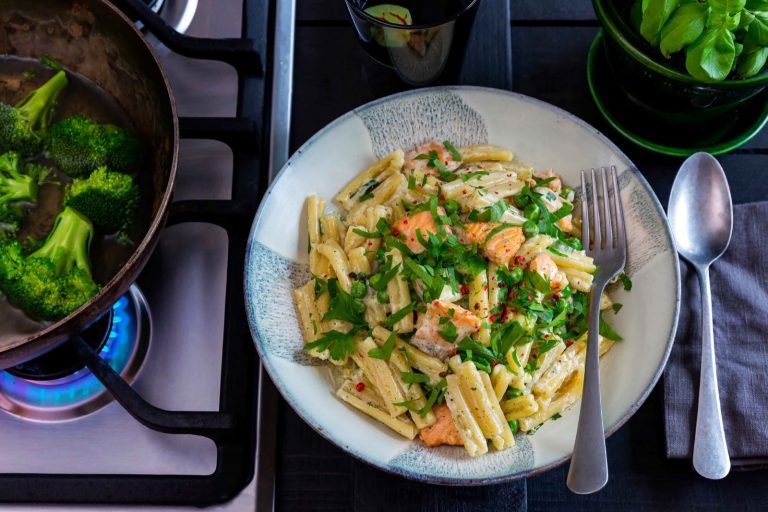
x=421 y=40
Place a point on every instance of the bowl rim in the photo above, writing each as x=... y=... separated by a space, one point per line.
x=274 y=373
x=615 y=27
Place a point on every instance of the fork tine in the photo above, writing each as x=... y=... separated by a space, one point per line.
x=606 y=209
x=597 y=241
x=621 y=237
x=584 y=215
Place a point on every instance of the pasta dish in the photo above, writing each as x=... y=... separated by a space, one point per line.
x=450 y=295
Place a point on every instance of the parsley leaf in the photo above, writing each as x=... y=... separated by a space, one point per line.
x=625 y=281
x=368 y=190
x=607 y=331
x=474 y=174
x=399 y=315
x=449 y=331
x=343 y=306
x=366 y=234
x=494 y=212
x=414 y=378
x=384 y=352
x=411 y=182
x=454 y=152
x=338 y=344
x=379 y=281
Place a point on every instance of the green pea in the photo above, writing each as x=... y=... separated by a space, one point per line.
x=450 y=207
x=516 y=273
x=358 y=290
x=530 y=229
x=532 y=211
x=514 y=426
x=575 y=243
x=521 y=201
x=382 y=297
x=375 y=279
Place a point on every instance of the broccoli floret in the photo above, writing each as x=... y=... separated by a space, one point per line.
x=108 y=199
x=78 y=146
x=23 y=126
x=15 y=186
x=9 y=223
x=56 y=279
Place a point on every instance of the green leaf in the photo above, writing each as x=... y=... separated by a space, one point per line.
x=338 y=344
x=399 y=315
x=474 y=174
x=411 y=182
x=454 y=152
x=757 y=33
x=710 y=58
x=384 y=352
x=449 y=332
x=343 y=306
x=539 y=282
x=757 y=5
x=366 y=234
x=494 y=212
x=379 y=281
x=684 y=26
x=751 y=63
x=655 y=15
x=414 y=378
x=607 y=331
x=625 y=281
x=727 y=6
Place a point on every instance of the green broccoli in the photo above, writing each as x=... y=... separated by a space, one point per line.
x=56 y=279
x=108 y=199
x=78 y=146
x=23 y=126
x=15 y=186
x=9 y=223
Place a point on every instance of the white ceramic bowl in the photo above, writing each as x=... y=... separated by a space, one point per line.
x=538 y=134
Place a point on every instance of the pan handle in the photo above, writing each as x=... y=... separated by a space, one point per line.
x=213 y=425
x=240 y=53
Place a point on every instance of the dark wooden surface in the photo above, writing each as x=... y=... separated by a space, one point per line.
x=549 y=43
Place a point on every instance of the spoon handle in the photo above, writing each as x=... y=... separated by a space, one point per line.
x=710 y=453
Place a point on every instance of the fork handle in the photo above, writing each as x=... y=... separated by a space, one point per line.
x=710 y=453
x=588 y=472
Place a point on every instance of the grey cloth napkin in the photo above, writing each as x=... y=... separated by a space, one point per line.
x=740 y=311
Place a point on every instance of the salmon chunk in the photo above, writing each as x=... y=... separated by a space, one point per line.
x=428 y=327
x=544 y=265
x=445 y=157
x=553 y=202
x=443 y=431
x=502 y=246
x=421 y=221
x=556 y=185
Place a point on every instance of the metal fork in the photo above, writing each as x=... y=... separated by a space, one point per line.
x=588 y=472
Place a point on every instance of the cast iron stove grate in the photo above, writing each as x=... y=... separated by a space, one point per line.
x=233 y=427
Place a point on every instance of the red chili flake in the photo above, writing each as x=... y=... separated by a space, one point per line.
x=442 y=198
x=509 y=175
x=444 y=374
x=485 y=288
x=405 y=221
x=453 y=352
x=496 y=192
x=494 y=363
x=435 y=302
x=360 y=386
x=477 y=305
x=492 y=318
x=530 y=297
x=519 y=260
x=352 y=275
x=393 y=232
x=370 y=244
x=556 y=296
x=464 y=289
x=568 y=343
x=464 y=192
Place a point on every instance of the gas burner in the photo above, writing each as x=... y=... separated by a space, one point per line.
x=57 y=387
x=177 y=13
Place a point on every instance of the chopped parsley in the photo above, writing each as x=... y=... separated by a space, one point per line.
x=625 y=281
x=384 y=352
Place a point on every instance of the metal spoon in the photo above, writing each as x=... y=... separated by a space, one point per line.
x=701 y=218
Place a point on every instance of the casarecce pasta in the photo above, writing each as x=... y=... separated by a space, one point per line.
x=450 y=291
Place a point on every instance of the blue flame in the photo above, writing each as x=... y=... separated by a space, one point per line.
x=83 y=384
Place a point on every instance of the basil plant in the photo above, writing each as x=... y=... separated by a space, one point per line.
x=720 y=38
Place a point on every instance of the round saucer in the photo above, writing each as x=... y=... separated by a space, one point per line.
x=671 y=138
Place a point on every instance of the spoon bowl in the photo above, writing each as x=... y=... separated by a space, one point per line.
x=700 y=210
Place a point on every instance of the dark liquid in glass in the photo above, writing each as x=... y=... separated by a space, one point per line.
x=420 y=39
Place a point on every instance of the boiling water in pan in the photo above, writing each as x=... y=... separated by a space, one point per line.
x=81 y=96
